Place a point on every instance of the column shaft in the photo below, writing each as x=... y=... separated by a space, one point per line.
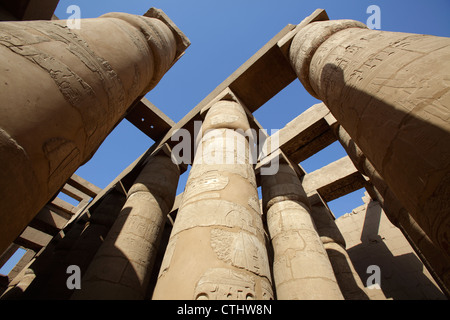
x=348 y=279
x=390 y=92
x=79 y=245
x=301 y=266
x=62 y=92
x=122 y=266
x=217 y=246
x=430 y=254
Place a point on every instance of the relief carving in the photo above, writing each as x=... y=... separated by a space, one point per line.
x=241 y=250
x=225 y=284
x=211 y=181
x=218 y=213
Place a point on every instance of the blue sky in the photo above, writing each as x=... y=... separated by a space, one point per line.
x=224 y=34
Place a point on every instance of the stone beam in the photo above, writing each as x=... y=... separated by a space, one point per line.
x=58 y=213
x=334 y=180
x=49 y=220
x=285 y=42
x=74 y=193
x=145 y=116
x=307 y=134
x=63 y=206
x=33 y=239
x=83 y=185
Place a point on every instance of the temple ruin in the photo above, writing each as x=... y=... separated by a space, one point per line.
x=385 y=98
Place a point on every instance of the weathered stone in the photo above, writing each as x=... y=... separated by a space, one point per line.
x=301 y=267
x=430 y=254
x=122 y=267
x=217 y=241
x=226 y=284
x=348 y=279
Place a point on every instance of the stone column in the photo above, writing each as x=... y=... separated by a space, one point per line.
x=301 y=268
x=390 y=92
x=122 y=266
x=82 y=238
x=348 y=279
x=431 y=255
x=62 y=91
x=217 y=246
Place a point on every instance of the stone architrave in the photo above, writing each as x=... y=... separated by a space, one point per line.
x=301 y=268
x=62 y=91
x=390 y=91
x=217 y=246
x=122 y=266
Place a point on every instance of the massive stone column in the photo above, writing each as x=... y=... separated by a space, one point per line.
x=122 y=266
x=348 y=279
x=62 y=91
x=301 y=268
x=390 y=91
x=82 y=238
x=217 y=246
x=430 y=254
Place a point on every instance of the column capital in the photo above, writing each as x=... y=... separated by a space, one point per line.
x=308 y=40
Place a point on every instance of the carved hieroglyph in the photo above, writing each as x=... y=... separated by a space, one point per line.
x=217 y=245
x=301 y=267
x=62 y=91
x=226 y=284
x=123 y=264
x=390 y=92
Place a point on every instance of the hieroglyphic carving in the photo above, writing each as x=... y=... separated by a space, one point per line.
x=210 y=181
x=241 y=250
x=243 y=170
x=218 y=213
x=223 y=118
x=223 y=284
x=227 y=284
x=75 y=90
